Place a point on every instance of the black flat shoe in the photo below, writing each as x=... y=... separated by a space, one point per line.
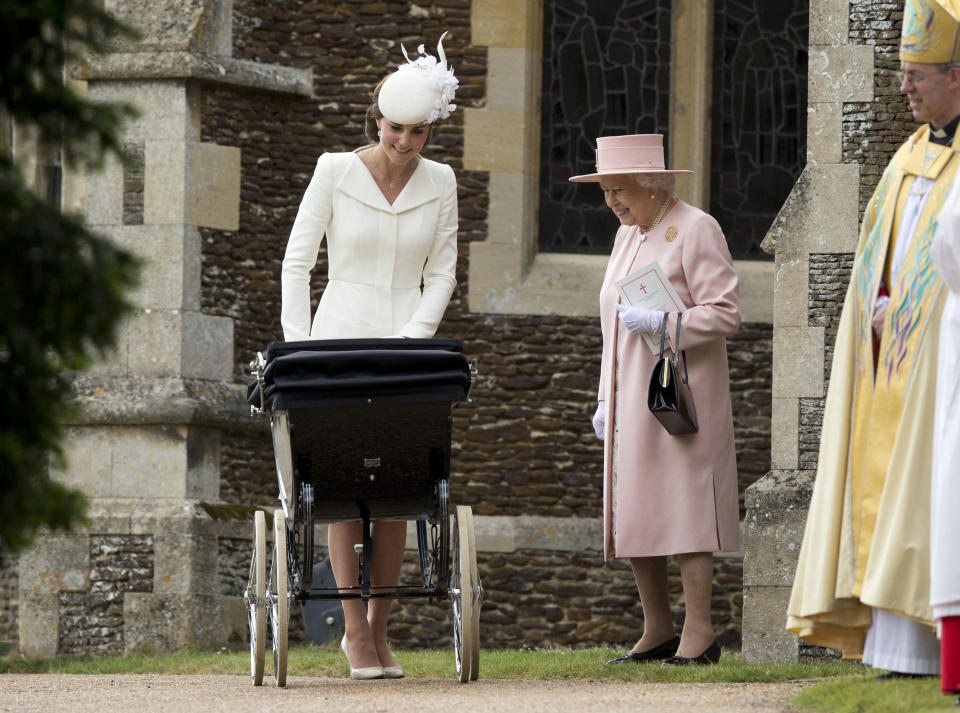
x=657 y=653
x=711 y=655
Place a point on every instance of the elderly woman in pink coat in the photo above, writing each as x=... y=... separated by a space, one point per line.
x=664 y=494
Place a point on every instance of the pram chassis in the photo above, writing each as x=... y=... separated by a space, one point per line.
x=298 y=416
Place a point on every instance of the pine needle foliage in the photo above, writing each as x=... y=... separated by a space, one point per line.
x=62 y=287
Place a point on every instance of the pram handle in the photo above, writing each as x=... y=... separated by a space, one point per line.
x=257 y=366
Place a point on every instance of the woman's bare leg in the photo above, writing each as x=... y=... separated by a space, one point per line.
x=651 y=576
x=696 y=572
x=341 y=537
x=389 y=537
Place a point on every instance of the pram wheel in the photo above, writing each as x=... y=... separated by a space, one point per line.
x=465 y=596
x=279 y=602
x=254 y=597
x=476 y=596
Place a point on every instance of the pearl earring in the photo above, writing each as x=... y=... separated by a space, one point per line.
x=380 y=133
x=652 y=195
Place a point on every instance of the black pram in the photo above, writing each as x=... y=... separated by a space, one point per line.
x=361 y=431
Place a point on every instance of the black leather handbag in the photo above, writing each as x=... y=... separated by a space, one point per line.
x=669 y=397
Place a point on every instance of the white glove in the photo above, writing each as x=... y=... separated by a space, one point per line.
x=640 y=319
x=600 y=419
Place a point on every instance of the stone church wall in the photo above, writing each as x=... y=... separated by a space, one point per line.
x=524 y=447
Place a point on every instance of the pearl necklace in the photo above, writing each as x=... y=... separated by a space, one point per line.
x=660 y=214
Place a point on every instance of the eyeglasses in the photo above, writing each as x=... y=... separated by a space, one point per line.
x=916 y=78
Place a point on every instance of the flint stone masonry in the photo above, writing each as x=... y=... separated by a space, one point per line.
x=91 y=620
x=539 y=598
x=9 y=607
x=233 y=565
x=829 y=275
x=90 y=623
x=873 y=130
x=133 y=184
x=121 y=564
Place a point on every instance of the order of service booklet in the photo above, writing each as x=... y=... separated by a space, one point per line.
x=649 y=287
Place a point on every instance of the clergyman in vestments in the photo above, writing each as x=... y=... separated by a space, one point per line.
x=863 y=578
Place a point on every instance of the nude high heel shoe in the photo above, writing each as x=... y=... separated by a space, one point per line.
x=361 y=674
x=393 y=672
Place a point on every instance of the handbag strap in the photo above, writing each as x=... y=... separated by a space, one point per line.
x=682 y=354
x=663 y=333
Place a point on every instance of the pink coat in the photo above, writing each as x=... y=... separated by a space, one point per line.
x=672 y=494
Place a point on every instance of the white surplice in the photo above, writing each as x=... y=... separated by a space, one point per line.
x=945 y=483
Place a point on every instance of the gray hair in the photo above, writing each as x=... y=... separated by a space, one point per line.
x=945 y=67
x=657 y=181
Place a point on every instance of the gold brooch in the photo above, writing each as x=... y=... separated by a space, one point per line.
x=671 y=234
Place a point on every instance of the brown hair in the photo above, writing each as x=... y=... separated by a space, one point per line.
x=373 y=114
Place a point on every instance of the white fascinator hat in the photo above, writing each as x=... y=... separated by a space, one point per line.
x=420 y=91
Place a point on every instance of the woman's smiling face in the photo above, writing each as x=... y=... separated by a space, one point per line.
x=626 y=198
x=401 y=142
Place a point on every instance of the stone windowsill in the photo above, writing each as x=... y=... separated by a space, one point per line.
x=568 y=284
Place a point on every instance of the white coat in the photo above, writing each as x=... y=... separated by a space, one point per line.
x=945 y=481
x=378 y=254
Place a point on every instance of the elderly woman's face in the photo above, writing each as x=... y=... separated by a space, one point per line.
x=629 y=201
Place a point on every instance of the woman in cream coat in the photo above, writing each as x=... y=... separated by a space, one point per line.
x=390 y=218
x=666 y=495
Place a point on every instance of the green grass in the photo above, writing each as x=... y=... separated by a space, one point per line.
x=543 y=664
x=853 y=695
x=836 y=687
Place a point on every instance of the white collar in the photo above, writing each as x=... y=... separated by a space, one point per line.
x=358 y=182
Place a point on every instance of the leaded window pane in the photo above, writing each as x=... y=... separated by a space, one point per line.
x=606 y=71
x=759 y=115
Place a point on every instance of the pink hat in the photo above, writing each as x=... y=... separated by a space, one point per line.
x=634 y=153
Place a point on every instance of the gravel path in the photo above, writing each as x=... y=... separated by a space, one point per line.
x=56 y=693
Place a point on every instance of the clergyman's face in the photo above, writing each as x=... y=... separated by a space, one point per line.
x=928 y=90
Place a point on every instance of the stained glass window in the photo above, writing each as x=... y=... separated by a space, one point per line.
x=759 y=115
x=606 y=71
